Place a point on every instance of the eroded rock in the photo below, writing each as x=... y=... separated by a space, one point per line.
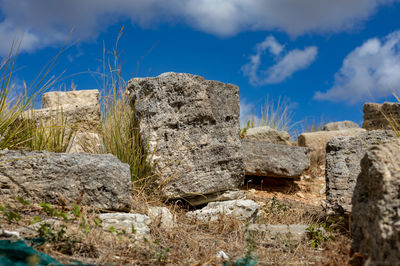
x=343 y=159
x=268 y=159
x=376 y=205
x=240 y=209
x=192 y=127
x=377 y=116
x=97 y=180
x=130 y=223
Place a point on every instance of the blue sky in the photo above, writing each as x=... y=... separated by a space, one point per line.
x=327 y=57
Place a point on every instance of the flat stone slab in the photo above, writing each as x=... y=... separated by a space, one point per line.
x=274 y=232
x=97 y=180
x=343 y=157
x=192 y=128
x=274 y=160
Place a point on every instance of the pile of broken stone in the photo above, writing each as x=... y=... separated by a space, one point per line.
x=193 y=131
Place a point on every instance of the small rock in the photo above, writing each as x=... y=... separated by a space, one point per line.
x=128 y=222
x=241 y=209
x=222 y=255
x=162 y=216
x=8 y=234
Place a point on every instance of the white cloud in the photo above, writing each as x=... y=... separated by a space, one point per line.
x=290 y=63
x=369 y=72
x=48 y=22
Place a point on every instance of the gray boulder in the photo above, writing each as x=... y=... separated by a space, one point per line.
x=376 y=205
x=377 y=116
x=341 y=125
x=343 y=157
x=98 y=181
x=240 y=209
x=268 y=159
x=192 y=128
x=267 y=134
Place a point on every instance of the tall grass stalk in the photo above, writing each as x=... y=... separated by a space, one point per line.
x=121 y=132
x=15 y=132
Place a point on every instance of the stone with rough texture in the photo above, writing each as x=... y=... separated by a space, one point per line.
x=343 y=159
x=316 y=141
x=137 y=224
x=240 y=209
x=192 y=127
x=161 y=216
x=97 y=180
x=218 y=196
x=376 y=115
x=81 y=118
x=267 y=134
x=376 y=206
x=55 y=99
x=340 y=125
x=274 y=160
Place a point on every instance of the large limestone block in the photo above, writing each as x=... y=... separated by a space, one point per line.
x=275 y=160
x=376 y=115
x=376 y=206
x=343 y=157
x=267 y=134
x=316 y=141
x=98 y=181
x=192 y=127
x=340 y=125
x=55 y=99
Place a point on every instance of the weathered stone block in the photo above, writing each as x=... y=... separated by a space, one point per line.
x=343 y=157
x=274 y=160
x=376 y=206
x=98 y=181
x=377 y=116
x=192 y=127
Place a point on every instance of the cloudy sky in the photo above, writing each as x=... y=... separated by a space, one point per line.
x=328 y=57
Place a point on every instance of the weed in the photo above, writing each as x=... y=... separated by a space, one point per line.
x=11 y=216
x=51 y=211
x=322 y=232
x=120 y=131
x=62 y=242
